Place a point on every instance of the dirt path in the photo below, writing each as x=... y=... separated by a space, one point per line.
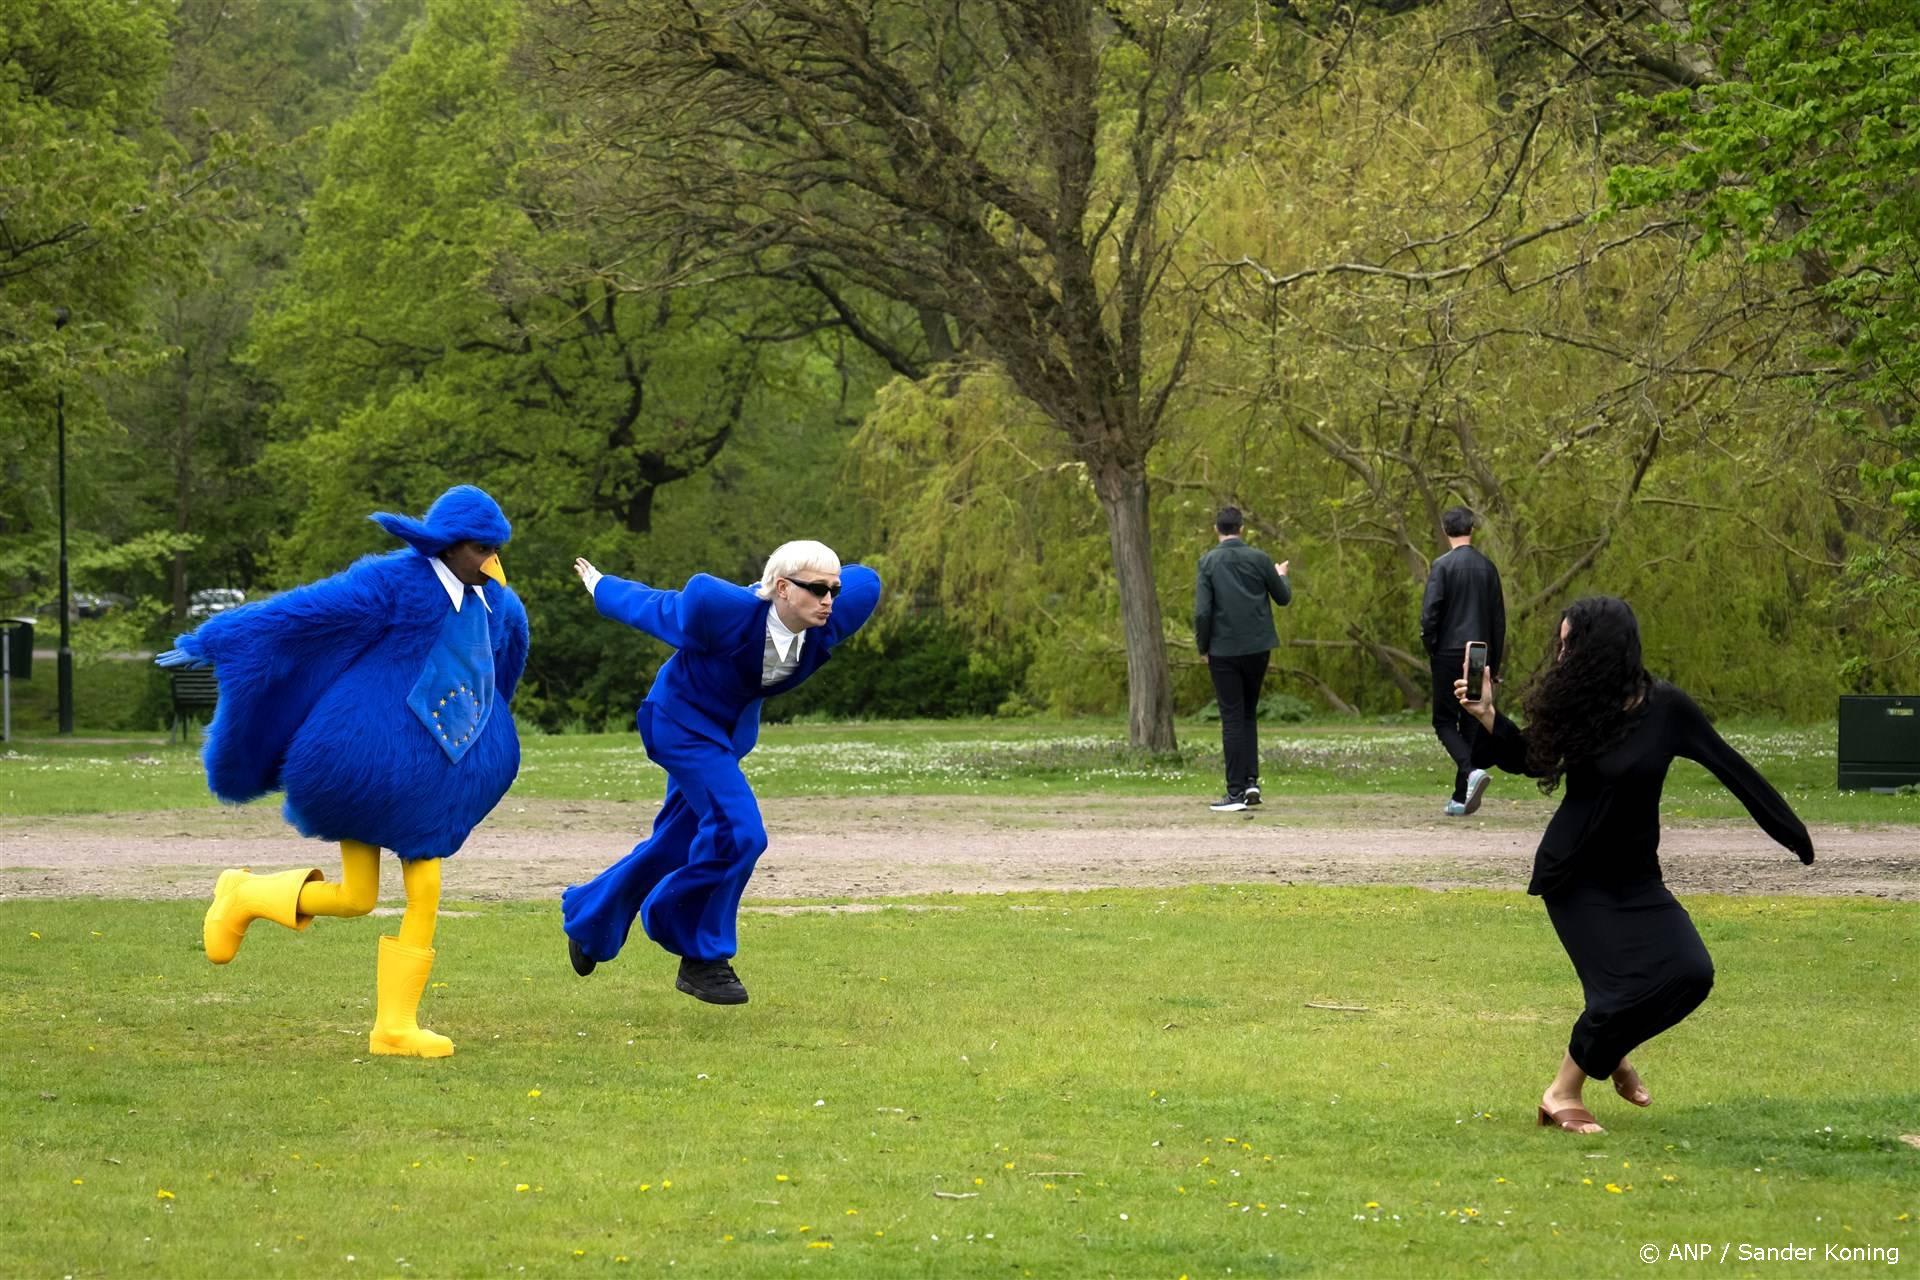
x=884 y=847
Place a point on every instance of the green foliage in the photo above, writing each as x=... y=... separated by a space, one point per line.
x=371 y=257
x=1274 y=708
x=1803 y=151
x=923 y=667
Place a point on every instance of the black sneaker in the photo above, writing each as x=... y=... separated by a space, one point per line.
x=1227 y=804
x=1253 y=794
x=711 y=980
x=583 y=963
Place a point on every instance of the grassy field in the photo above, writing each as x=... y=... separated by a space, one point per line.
x=42 y=775
x=1113 y=1083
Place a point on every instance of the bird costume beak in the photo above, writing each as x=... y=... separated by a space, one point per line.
x=491 y=567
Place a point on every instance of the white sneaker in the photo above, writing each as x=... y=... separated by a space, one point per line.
x=1227 y=804
x=1455 y=809
x=1476 y=787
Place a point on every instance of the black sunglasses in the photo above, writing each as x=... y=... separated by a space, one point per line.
x=819 y=590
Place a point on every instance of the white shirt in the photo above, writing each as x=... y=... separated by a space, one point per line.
x=782 y=656
x=456 y=589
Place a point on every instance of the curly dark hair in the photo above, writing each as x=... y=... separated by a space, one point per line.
x=1592 y=690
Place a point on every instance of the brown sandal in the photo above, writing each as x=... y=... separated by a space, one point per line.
x=1567 y=1117
x=1638 y=1102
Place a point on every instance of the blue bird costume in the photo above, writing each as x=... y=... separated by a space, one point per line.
x=701 y=717
x=377 y=701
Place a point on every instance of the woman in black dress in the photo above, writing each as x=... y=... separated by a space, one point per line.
x=1611 y=730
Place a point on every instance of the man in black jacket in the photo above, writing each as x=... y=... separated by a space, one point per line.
x=1233 y=627
x=1463 y=603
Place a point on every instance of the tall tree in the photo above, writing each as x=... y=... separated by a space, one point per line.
x=1799 y=143
x=443 y=315
x=1014 y=167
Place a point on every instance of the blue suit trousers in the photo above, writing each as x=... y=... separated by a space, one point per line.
x=684 y=880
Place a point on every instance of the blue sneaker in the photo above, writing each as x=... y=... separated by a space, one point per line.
x=1455 y=809
x=1476 y=787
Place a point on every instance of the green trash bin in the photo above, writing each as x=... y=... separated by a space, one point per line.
x=16 y=663
x=19 y=647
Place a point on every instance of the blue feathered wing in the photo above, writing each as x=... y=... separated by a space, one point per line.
x=274 y=659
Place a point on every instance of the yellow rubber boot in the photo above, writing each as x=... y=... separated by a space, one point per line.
x=240 y=898
x=400 y=978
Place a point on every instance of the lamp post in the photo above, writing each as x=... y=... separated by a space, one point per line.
x=65 y=677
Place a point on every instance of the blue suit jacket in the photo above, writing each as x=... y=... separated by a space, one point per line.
x=711 y=685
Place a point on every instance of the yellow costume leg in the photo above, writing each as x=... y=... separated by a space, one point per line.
x=241 y=897
x=359 y=887
x=405 y=963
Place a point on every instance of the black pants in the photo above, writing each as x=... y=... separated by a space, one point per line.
x=1641 y=964
x=1236 y=686
x=1454 y=727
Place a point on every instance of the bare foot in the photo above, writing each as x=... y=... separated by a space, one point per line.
x=1626 y=1083
x=1553 y=1104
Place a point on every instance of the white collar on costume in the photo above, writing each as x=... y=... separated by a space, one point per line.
x=786 y=641
x=456 y=589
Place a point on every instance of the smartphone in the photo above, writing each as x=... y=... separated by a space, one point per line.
x=1476 y=671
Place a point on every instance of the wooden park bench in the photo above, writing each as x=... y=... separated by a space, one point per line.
x=194 y=689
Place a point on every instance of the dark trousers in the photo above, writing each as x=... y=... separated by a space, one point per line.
x=1641 y=963
x=1236 y=686
x=1454 y=727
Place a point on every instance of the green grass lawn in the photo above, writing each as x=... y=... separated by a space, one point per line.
x=1112 y=1083
x=1026 y=757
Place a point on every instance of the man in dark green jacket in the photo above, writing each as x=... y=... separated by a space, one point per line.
x=1233 y=627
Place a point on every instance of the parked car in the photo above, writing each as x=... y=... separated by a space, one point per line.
x=211 y=600
x=85 y=604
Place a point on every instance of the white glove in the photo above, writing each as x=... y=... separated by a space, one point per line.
x=588 y=574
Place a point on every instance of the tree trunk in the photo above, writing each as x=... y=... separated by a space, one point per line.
x=182 y=480
x=1123 y=496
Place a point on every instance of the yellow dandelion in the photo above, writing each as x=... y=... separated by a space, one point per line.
x=879 y=1233
x=852 y=1212
x=163 y=1194
x=779 y=1177
x=32 y=934
x=1500 y=1181
x=619 y=1257
x=579 y=1253
x=665 y=1183
x=533 y=1093
x=1614 y=1188
x=1007 y=1165
x=1667 y=1177
x=726 y=1239
x=979 y=1182
x=1373 y=1204
x=79 y=1182
x=805 y=1228
x=521 y=1187
x=646 y=1186
x=1586 y=1182
x=819 y=1244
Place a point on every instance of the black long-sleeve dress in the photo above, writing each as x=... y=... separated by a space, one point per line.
x=1641 y=962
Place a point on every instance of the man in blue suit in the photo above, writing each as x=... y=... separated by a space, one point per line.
x=735 y=646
